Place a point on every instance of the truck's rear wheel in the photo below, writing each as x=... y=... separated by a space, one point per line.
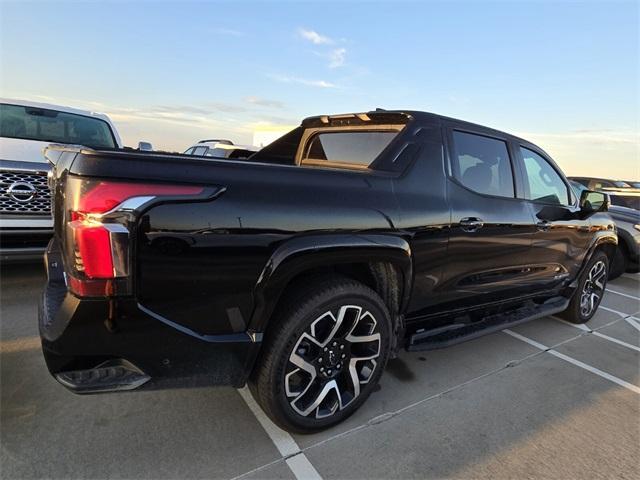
x=590 y=291
x=323 y=355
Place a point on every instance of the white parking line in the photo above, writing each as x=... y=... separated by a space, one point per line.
x=633 y=322
x=615 y=340
x=623 y=294
x=597 y=371
x=580 y=326
x=575 y=362
x=583 y=327
x=284 y=442
x=627 y=316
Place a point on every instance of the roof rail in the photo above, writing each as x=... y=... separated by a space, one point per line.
x=217 y=140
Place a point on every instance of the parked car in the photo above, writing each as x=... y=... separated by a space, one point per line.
x=304 y=268
x=633 y=184
x=602 y=183
x=221 y=149
x=627 y=220
x=26 y=128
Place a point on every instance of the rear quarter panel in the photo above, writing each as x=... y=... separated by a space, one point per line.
x=198 y=264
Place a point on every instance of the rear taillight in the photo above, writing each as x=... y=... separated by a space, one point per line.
x=100 y=217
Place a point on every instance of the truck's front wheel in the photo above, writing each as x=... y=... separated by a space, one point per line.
x=323 y=356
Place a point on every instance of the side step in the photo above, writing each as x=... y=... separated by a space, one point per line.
x=110 y=376
x=453 y=334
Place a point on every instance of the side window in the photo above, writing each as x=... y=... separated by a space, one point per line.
x=199 y=151
x=357 y=148
x=545 y=184
x=482 y=164
x=189 y=151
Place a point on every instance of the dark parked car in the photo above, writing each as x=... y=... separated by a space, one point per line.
x=624 y=209
x=304 y=268
x=603 y=183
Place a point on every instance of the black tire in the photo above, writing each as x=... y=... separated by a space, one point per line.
x=285 y=391
x=577 y=312
x=620 y=263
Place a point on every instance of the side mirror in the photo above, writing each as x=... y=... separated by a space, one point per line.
x=593 y=202
x=145 y=146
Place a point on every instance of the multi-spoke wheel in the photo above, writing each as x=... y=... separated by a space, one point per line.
x=590 y=290
x=593 y=288
x=324 y=358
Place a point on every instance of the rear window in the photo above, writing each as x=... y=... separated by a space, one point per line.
x=45 y=125
x=482 y=164
x=352 y=148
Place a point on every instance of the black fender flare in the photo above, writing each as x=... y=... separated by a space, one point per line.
x=608 y=237
x=312 y=251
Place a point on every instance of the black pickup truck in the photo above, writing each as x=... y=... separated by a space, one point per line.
x=302 y=269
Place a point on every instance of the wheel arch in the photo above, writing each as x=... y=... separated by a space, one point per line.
x=383 y=262
x=606 y=243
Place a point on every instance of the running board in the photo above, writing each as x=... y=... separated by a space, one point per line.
x=453 y=334
x=110 y=376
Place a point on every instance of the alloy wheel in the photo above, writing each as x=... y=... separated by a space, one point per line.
x=593 y=288
x=331 y=360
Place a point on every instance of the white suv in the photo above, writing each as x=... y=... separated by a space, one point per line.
x=25 y=201
x=221 y=149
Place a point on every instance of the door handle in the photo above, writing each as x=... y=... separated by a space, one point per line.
x=543 y=225
x=471 y=224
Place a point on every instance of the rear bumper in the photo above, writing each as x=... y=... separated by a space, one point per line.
x=23 y=244
x=83 y=339
x=21 y=255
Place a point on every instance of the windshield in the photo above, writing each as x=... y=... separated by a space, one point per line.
x=31 y=123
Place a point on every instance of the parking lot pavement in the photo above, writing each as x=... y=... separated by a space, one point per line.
x=545 y=399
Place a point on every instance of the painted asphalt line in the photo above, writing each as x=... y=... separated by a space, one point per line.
x=623 y=294
x=598 y=334
x=302 y=468
x=284 y=442
x=617 y=312
x=633 y=322
x=615 y=340
x=580 y=326
x=575 y=362
x=533 y=343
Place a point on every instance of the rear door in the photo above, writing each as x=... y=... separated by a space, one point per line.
x=492 y=229
x=560 y=239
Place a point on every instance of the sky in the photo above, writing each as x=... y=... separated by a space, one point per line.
x=564 y=75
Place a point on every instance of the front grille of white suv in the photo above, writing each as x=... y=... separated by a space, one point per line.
x=24 y=193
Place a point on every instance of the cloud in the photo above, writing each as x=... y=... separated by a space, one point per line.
x=303 y=81
x=264 y=102
x=337 y=57
x=314 y=37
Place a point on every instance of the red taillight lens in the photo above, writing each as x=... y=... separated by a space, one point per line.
x=106 y=195
x=94 y=248
x=98 y=233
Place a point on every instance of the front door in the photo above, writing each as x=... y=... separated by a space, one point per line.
x=561 y=238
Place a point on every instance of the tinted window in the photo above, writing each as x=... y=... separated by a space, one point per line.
x=545 y=184
x=354 y=147
x=52 y=126
x=625 y=201
x=217 y=152
x=482 y=164
x=199 y=150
